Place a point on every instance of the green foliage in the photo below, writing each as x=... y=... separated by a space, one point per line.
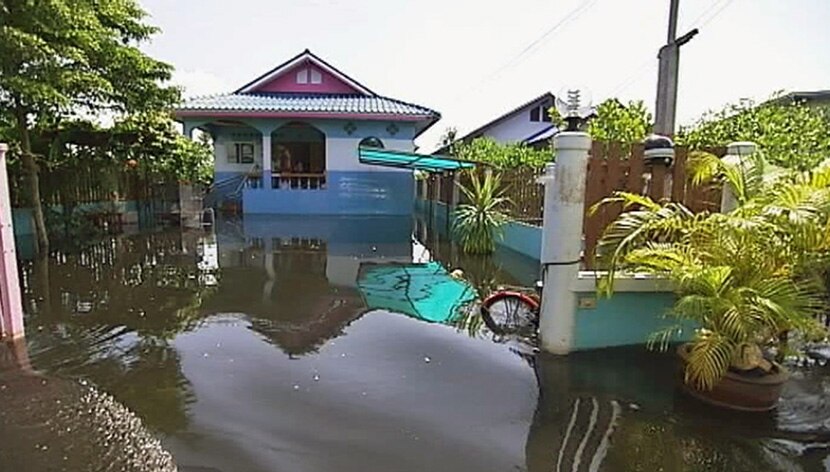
x=68 y=58
x=793 y=135
x=161 y=149
x=502 y=156
x=744 y=276
x=478 y=222
x=59 y=57
x=616 y=121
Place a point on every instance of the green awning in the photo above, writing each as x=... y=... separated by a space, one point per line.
x=423 y=291
x=411 y=160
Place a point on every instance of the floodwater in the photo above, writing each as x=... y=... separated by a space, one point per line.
x=313 y=344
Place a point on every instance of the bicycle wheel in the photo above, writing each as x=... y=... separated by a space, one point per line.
x=509 y=312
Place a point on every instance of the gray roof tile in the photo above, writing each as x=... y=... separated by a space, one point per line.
x=282 y=102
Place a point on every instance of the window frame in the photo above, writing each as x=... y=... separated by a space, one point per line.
x=238 y=154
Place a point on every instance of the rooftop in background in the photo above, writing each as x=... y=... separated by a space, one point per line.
x=810 y=98
x=529 y=123
x=307 y=87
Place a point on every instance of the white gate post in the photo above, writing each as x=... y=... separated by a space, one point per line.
x=735 y=153
x=11 y=308
x=562 y=239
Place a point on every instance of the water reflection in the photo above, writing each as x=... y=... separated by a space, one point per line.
x=254 y=349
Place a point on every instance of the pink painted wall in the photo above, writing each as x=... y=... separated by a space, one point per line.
x=287 y=82
x=11 y=308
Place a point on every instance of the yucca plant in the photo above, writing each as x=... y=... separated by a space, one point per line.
x=743 y=277
x=478 y=222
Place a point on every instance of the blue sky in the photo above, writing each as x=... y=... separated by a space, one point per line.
x=475 y=59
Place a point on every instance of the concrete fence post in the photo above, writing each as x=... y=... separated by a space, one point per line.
x=11 y=308
x=562 y=239
x=735 y=154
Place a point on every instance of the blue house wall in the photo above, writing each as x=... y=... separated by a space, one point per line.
x=352 y=188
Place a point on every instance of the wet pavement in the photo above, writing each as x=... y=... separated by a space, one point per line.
x=257 y=348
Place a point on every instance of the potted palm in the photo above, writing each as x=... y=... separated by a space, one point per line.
x=743 y=277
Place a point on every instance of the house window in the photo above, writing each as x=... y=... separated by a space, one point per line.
x=534 y=114
x=545 y=113
x=241 y=153
x=302 y=76
x=371 y=141
x=316 y=77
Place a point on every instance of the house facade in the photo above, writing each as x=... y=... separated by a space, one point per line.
x=529 y=124
x=287 y=142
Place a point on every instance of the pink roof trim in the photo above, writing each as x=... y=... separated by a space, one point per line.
x=302 y=58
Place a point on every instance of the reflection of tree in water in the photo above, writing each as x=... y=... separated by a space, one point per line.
x=282 y=286
x=108 y=313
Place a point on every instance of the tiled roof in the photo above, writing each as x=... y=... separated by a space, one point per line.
x=300 y=103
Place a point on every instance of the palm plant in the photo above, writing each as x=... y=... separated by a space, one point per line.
x=478 y=222
x=743 y=277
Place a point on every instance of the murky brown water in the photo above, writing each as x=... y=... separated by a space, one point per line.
x=255 y=349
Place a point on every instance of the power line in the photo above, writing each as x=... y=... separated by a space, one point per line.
x=649 y=64
x=572 y=15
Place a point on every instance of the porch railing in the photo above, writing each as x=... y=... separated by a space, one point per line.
x=301 y=181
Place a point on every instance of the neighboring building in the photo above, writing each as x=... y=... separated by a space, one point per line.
x=287 y=142
x=529 y=123
x=817 y=98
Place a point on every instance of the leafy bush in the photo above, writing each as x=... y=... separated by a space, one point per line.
x=793 y=135
x=503 y=156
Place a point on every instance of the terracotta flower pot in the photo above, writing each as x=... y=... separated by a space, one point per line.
x=740 y=392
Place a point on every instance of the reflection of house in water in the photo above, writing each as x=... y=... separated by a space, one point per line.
x=296 y=277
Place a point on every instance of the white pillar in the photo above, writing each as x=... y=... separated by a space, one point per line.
x=735 y=154
x=11 y=307
x=266 y=160
x=562 y=239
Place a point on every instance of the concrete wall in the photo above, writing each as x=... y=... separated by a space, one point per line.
x=635 y=311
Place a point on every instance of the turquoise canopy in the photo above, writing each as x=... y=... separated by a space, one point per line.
x=411 y=160
x=423 y=291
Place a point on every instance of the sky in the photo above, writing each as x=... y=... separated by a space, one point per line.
x=473 y=60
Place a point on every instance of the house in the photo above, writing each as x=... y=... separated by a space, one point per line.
x=287 y=142
x=815 y=98
x=529 y=123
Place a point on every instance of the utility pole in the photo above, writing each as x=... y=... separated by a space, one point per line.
x=669 y=56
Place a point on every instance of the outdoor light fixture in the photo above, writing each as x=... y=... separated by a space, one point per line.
x=659 y=150
x=575 y=109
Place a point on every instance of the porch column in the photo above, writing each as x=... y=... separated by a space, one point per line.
x=266 y=160
x=11 y=307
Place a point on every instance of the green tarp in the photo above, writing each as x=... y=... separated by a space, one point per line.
x=423 y=291
x=410 y=160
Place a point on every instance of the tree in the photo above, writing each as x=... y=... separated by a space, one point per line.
x=160 y=148
x=64 y=58
x=792 y=134
x=615 y=121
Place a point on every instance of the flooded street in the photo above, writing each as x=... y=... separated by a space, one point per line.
x=343 y=344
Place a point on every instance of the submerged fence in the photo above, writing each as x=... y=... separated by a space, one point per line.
x=612 y=167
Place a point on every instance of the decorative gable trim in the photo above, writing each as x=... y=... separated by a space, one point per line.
x=304 y=57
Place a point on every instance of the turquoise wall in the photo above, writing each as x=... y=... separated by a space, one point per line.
x=519 y=237
x=22 y=217
x=627 y=318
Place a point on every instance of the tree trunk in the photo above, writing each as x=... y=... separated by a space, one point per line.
x=31 y=169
